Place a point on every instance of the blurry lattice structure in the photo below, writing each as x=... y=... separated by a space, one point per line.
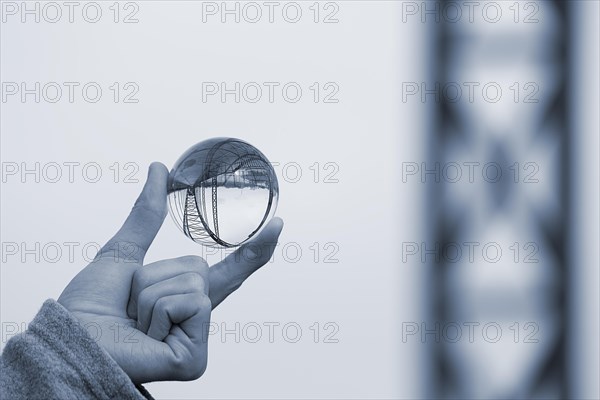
x=521 y=134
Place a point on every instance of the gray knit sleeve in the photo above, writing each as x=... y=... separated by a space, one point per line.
x=56 y=358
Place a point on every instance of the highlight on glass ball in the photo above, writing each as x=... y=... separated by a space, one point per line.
x=222 y=192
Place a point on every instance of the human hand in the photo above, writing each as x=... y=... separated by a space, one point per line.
x=153 y=319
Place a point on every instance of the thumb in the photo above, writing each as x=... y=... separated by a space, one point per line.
x=143 y=223
x=228 y=275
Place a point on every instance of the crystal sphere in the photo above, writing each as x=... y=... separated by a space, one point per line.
x=222 y=192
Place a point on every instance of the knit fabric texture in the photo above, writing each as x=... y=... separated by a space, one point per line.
x=56 y=358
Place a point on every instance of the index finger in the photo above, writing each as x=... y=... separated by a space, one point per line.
x=143 y=223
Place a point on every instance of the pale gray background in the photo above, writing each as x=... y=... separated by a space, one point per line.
x=369 y=133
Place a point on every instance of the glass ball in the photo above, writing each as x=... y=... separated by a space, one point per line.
x=222 y=192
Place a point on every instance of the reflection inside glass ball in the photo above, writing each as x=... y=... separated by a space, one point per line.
x=222 y=192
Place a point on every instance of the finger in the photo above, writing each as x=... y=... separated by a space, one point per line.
x=176 y=309
x=189 y=343
x=156 y=272
x=141 y=226
x=228 y=275
x=190 y=282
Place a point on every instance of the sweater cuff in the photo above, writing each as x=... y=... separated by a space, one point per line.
x=72 y=343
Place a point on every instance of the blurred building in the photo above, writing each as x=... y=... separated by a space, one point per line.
x=499 y=191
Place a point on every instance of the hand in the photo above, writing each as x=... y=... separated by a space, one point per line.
x=153 y=319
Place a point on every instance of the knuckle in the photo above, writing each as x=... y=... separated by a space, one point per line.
x=195 y=281
x=196 y=263
x=198 y=367
x=199 y=370
x=160 y=305
x=201 y=303
x=140 y=279
x=190 y=367
x=204 y=302
x=179 y=364
x=143 y=300
x=191 y=259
